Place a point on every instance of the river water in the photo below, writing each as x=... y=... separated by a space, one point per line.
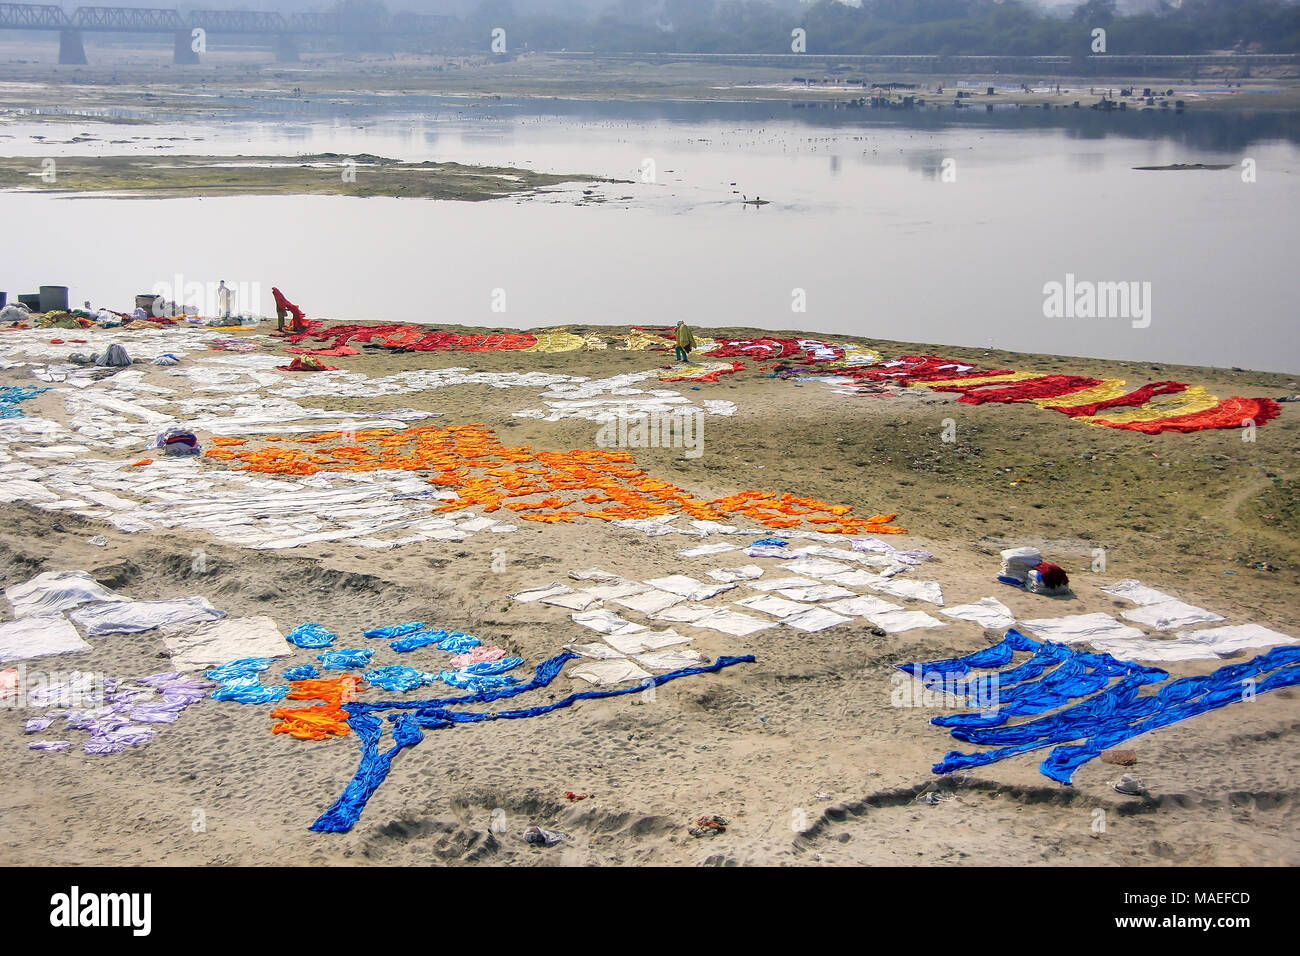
x=939 y=227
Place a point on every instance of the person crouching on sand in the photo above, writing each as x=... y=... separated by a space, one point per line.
x=685 y=342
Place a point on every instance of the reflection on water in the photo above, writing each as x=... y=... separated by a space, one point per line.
x=939 y=227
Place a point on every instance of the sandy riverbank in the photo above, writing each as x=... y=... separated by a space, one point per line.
x=808 y=729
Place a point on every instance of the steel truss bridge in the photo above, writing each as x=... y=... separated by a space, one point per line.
x=186 y=27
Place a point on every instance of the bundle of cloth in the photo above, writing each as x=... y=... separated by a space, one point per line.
x=1018 y=562
x=114 y=357
x=307 y=363
x=176 y=441
x=1025 y=567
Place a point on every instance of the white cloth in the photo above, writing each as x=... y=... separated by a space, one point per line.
x=986 y=612
x=597 y=650
x=602 y=673
x=643 y=641
x=815 y=619
x=683 y=613
x=1078 y=628
x=861 y=606
x=776 y=584
x=37 y=636
x=815 y=567
x=746 y=572
x=219 y=641
x=654 y=640
x=818 y=592
x=1167 y=615
x=1154 y=649
x=617 y=588
x=132 y=617
x=574 y=600
x=54 y=591
x=771 y=551
x=771 y=604
x=916 y=590
x=731 y=622
x=593 y=574
x=650 y=601
x=894 y=621
x=606 y=622
x=704 y=549
x=688 y=587
x=1235 y=637
x=1136 y=591
x=1017 y=561
x=669 y=660
x=536 y=594
x=857 y=579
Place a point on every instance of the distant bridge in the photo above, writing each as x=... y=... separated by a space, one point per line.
x=190 y=29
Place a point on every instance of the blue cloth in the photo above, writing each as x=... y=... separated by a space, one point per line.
x=999 y=655
x=1108 y=714
x=396 y=677
x=345 y=658
x=397 y=630
x=310 y=635
x=487 y=668
x=302 y=672
x=374 y=766
x=244 y=667
x=454 y=641
x=475 y=682
x=458 y=643
x=11 y=395
x=372 y=771
x=774 y=542
x=249 y=690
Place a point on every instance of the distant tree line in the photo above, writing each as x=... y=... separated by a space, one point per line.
x=976 y=27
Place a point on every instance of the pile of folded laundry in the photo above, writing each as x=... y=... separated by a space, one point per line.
x=1025 y=568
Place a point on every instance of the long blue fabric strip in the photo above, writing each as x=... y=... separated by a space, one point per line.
x=374 y=766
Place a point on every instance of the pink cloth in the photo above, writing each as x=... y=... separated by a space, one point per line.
x=477 y=656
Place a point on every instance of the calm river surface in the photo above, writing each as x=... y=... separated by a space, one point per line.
x=925 y=227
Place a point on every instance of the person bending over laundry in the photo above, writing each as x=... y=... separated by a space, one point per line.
x=685 y=342
x=284 y=307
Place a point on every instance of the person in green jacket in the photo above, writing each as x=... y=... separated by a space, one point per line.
x=685 y=342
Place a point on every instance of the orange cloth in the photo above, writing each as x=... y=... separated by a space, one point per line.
x=326 y=720
x=471 y=460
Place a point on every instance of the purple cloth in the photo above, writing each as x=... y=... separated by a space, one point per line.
x=132 y=736
x=102 y=745
x=153 y=680
x=36 y=724
x=155 y=713
x=48 y=745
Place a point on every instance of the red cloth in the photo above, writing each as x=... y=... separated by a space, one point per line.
x=1229 y=413
x=916 y=368
x=1138 y=396
x=1053 y=575
x=338 y=350
x=308 y=364
x=282 y=303
x=1045 y=386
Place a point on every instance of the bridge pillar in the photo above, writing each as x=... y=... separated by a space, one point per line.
x=71 y=50
x=183 y=53
x=286 y=48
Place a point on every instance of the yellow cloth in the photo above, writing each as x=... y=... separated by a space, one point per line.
x=556 y=342
x=982 y=379
x=1110 y=388
x=1189 y=402
x=640 y=341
